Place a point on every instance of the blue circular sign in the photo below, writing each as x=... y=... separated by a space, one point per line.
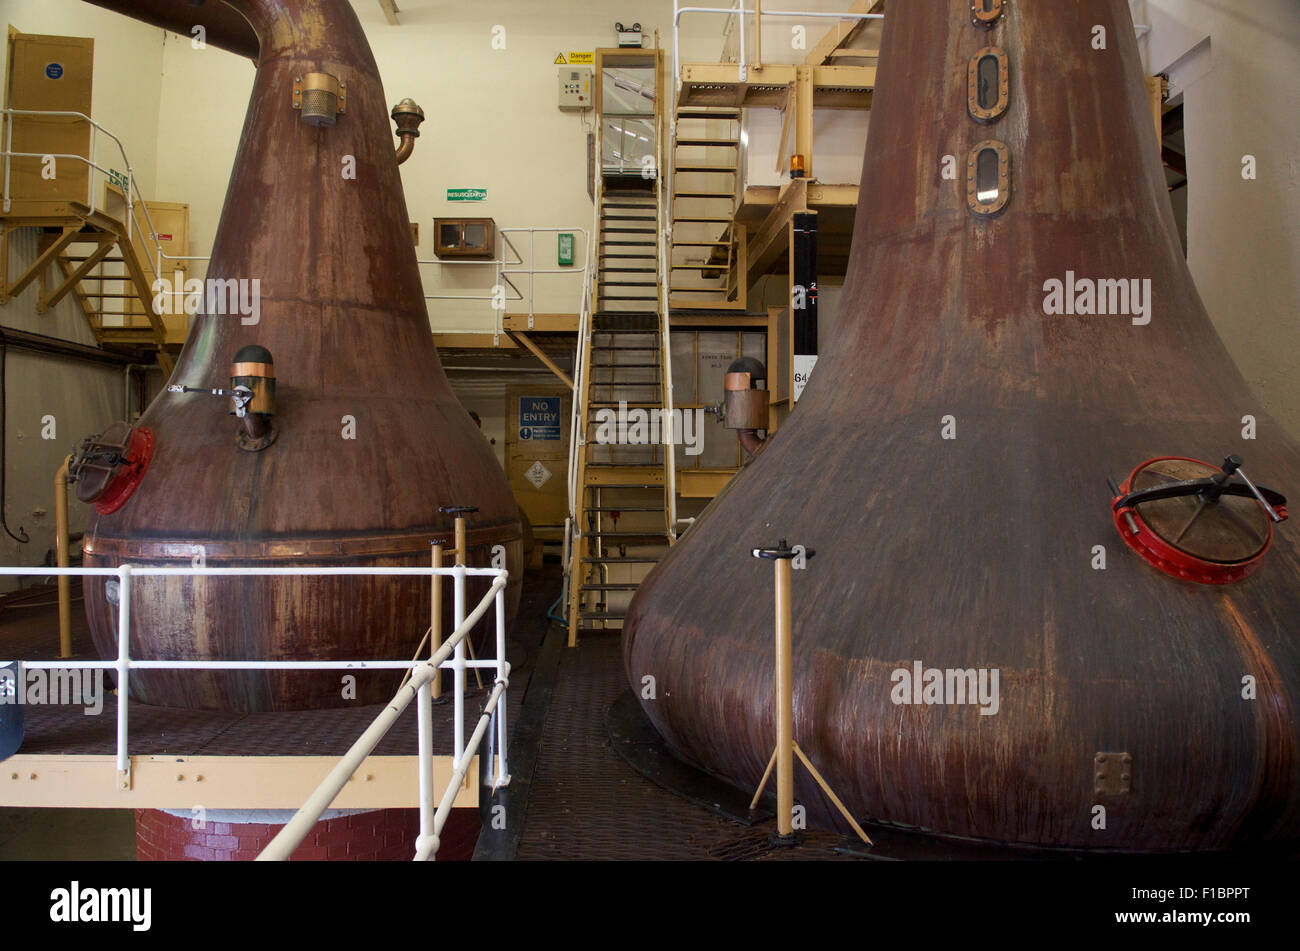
x=54 y=70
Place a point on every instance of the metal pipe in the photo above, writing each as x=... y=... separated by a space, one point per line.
x=424 y=714
x=435 y=615
x=458 y=700
x=61 y=547
x=406 y=148
x=54 y=347
x=429 y=848
x=123 y=666
x=503 y=671
x=751 y=441
x=126 y=388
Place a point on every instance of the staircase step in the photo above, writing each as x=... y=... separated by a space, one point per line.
x=704 y=194
x=604 y=217
x=624 y=229
x=703 y=220
x=628 y=270
x=592 y=533
x=628 y=283
x=701 y=244
x=630 y=244
x=630 y=560
x=628 y=204
x=720 y=266
x=628 y=297
x=705 y=167
x=693 y=114
x=624 y=366
x=709 y=143
x=623 y=508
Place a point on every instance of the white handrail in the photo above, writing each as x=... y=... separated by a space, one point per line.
x=664 y=223
x=506 y=269
x=740 y=9
x=131 y=192
x=424 y=671
x=296 y=829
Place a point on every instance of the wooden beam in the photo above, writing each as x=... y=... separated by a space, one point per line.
x=106 y=244
x=218 y=782
x=542 y=323
x=390 y=12
x=803 y=117
x=522 y=339
x=773 y=236
x=467 y=341
x=42 y=261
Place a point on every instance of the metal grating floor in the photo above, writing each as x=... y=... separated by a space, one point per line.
x=586 y=803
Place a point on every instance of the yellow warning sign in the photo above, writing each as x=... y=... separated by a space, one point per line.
x=582 y=59
x=559 y=59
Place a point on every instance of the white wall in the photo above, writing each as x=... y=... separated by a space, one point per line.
x=1239 y=97
x=491 y=120
x=128 y=60
x=82 y=398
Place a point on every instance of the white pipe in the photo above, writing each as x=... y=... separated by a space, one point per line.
x=678 y=11
x=424 y=712
x=502 y=775
x=282 y=846
x=249 y=664
x=458 y=701
x=123 y=665
x=430 y=847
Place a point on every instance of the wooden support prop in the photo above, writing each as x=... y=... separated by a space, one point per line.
x=522 y=339
x=42 y=261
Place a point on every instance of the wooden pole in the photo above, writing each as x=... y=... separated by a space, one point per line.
x=61 y=546
x=784 y=703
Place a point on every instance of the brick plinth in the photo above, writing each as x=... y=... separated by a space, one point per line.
x=380 y=835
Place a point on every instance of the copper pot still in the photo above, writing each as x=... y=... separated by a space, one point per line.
x=948 y=463
x=349 y=439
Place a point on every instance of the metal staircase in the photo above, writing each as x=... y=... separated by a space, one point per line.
x=620 y=472
x=706 y=248
x=621 y=520
x=98 y=264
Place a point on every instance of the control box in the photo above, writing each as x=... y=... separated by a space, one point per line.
x=575 y=87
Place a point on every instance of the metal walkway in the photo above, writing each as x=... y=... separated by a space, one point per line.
x=583 y=802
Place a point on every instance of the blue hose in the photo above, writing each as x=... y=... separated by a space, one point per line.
x=550 y=612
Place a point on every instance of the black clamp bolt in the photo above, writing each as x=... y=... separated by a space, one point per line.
x=781 y=550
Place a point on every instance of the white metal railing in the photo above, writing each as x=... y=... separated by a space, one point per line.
x=450 y=655
x=663 y=210
x=506 y=269
x=131 y=193
x=573 y=529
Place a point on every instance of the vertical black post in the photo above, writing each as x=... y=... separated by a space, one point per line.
x=804 y=299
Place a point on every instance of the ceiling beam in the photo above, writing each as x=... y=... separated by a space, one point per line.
x=390 y=11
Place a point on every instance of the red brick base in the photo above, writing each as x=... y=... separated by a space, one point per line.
x=381 y=835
